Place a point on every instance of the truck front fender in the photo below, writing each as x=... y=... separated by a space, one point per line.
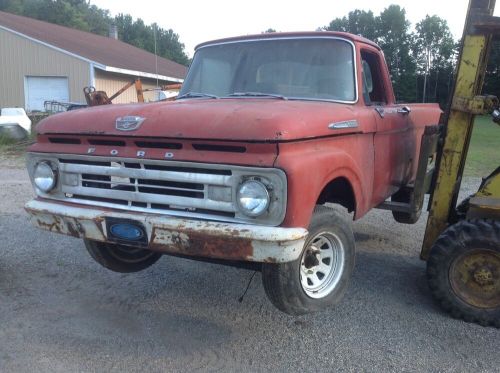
x=311 y=165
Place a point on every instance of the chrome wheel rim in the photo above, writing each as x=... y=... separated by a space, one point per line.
x=322 y=264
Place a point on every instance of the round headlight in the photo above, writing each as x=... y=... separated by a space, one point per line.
x=253 y=198
x=44 y=177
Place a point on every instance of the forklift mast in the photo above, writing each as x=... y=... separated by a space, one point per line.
x=462 y=244
x=465 y=103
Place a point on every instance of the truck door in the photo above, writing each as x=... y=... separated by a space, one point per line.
x=391 y=139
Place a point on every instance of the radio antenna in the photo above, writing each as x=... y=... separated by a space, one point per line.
x=156 y=54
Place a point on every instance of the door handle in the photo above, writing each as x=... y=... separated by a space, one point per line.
x=405 y=110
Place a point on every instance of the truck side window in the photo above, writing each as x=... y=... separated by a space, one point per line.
x=373 y=88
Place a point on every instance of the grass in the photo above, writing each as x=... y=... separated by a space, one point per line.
x=484 y=149
x=13 y=147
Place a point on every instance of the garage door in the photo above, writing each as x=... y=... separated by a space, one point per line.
x=45 y=88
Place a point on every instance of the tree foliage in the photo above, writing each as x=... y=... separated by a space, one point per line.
x=357 y=22
x=434 y=52
x=426 y=55
x=137 y=33
x=395 y=40
x=421 y=63
x=492 y=78
x=81 y=15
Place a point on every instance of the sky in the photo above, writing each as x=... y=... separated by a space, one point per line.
x=198 y=21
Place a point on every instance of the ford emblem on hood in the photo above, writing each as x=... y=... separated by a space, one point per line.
x=129 y=123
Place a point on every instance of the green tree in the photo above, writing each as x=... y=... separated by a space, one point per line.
x=421 y=64
x=62 y=12
x=137 y=33
x=358 y=22
x=492 y=78
x=434 y=51
x=395 y=40
x=98 y=20
x=12 y=6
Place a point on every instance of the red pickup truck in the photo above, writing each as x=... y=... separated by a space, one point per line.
x=272 y=140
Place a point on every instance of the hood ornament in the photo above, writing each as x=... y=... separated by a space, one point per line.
x=129 y=123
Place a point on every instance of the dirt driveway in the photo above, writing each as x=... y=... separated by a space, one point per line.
x=60 y=311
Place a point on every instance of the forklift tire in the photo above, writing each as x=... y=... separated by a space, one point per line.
x=318 y=278
x=463 y=271
x=404 y=196
x=121 y=258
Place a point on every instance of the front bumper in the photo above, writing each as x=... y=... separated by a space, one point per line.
x=176 y=236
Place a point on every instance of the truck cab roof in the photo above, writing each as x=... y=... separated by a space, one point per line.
x=302 y=34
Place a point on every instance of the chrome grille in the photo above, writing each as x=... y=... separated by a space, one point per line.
x=139 y=184
x=184 y=189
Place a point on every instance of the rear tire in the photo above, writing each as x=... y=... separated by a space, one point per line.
x=121 y=258
x=319 y=278
x=463 y=271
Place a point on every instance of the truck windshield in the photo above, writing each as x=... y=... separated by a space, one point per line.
x=301 y=68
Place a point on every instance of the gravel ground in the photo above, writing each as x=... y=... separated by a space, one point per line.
x=60 y=311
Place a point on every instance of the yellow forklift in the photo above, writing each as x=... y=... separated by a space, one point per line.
x=462 y=243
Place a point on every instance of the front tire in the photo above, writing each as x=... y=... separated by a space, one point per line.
x=463 y=271
x=319 y=278
x=121 y=258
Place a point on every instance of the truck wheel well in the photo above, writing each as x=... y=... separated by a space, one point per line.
x=338 y=191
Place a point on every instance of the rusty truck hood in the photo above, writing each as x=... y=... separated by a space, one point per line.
x=242 y=119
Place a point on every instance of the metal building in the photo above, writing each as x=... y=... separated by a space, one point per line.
x=40 y=61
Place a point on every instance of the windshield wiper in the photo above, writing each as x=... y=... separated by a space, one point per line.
x=257 y=94
x=195 y=95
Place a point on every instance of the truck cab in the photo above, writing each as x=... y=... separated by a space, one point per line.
x=273 y=140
